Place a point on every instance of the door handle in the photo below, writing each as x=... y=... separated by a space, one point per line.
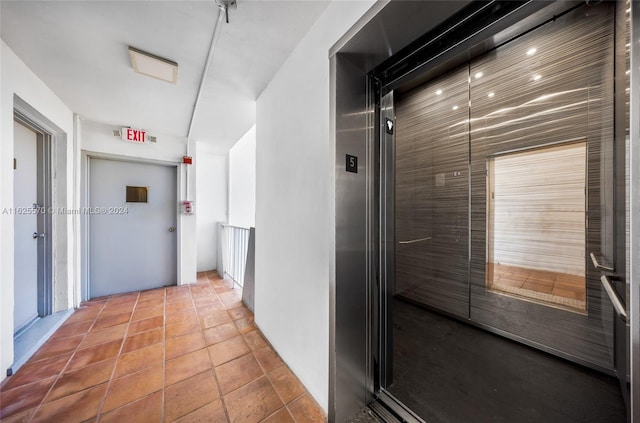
x=614 y=297
x=413 y=241
x=37 y=235
x=172 y=229
x=599 y=266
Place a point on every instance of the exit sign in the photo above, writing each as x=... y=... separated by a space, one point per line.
x=134 y=135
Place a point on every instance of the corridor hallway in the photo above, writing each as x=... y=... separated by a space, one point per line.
x=187 y=354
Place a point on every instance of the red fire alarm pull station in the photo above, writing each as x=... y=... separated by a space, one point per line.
x=187 y=207
x=187 y=160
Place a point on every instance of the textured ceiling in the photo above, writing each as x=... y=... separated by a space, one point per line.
x=79 y=49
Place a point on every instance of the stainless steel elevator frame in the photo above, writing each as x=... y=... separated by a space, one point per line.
x=357 y=107
x=634 y=218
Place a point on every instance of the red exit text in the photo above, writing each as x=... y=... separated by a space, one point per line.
x=134 y=135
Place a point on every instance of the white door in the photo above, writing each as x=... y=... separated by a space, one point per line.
x=25 y=194
x=132 y=245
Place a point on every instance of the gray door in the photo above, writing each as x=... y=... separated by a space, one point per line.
x=132 y=245
x=25 y=194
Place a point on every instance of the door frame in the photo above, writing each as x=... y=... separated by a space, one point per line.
x=23 y=116
x=86 y=157
x=634 y=219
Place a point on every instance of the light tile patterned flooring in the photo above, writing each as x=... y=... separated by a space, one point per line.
x=558 y=288
x=185 y=354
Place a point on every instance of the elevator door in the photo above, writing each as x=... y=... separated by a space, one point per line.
x=541 y=129
x=432 y=195
x=500 y=194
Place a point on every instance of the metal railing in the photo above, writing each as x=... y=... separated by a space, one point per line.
x=235 y=242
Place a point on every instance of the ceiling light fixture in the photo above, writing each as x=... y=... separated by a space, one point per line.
x=478 y=75
x=454 y=108
x=536 y=77
x=491 y=94
x=153 y=66
x=439 y=92
x=531 y=51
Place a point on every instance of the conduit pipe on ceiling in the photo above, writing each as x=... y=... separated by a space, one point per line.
x=203 y=78
x=205 y=71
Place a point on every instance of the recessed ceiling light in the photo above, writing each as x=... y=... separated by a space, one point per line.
x=153 y=66
x=438 y=92
x=478 y=75
x=531 y=51
x=536 y=76
x=455 y=108
x=491 y=94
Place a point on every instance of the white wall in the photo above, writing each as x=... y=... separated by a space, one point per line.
x=97 y=139
x=242 y=181
x=17 y=79
x=295 y=172
x=211 y=207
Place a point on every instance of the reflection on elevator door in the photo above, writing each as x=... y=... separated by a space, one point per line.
x=536 y=225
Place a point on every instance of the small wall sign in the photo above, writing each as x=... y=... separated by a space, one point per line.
x=352 y=164
x=134 y=135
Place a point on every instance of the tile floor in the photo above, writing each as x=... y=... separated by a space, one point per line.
x=179 y=354
x=560 y=288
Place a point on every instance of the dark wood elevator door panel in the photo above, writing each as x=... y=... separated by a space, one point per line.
x=432 y=195
x=552 y=85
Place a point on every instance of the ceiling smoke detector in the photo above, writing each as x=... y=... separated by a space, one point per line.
x=227 y=5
